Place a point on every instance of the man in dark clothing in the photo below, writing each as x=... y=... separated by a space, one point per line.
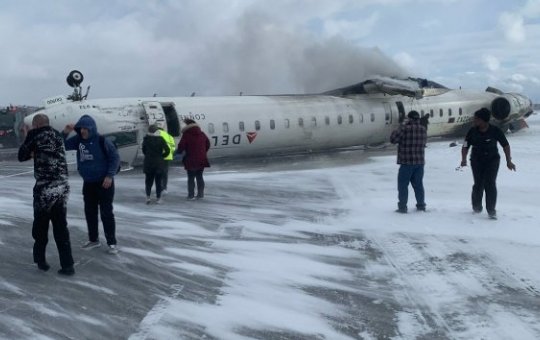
x=411 y=138
x=155 y=149
x=485 y=159
x=51 y=191
x=97 y=162
x=195 y=144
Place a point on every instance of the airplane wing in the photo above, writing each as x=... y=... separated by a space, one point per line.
x=411 y=87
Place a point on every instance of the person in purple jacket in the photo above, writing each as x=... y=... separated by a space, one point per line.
x=97 y=162
x=194 y=144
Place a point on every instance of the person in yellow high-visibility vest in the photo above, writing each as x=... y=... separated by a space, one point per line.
x=171 y=144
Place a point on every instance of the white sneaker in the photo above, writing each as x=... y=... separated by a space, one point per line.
x=91 y=245
x=148 y=200
x=164 y=192
x=113 y=250
x=159 y=201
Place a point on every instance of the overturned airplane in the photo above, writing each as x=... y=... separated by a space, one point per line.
x=361 y=114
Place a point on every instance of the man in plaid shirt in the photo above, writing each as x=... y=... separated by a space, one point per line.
x=411 y=138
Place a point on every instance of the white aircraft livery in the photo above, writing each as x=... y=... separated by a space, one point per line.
x=361 y=114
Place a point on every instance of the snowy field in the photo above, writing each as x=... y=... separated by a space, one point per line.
x=298 y=248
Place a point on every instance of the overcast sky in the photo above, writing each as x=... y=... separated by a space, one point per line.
x=223 y=47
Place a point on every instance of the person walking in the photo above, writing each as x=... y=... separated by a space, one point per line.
x=155 y=149
x=168 y=158
x=51 y=192
x=485 y=160
x=411 y=138
x=195 y=145
x=97 y=162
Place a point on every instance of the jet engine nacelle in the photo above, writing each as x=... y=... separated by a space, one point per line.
x=501 y=108
x=511 y=106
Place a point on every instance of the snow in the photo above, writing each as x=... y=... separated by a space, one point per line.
x=307 y=248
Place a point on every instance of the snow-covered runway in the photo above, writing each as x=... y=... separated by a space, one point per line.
x=303 y=248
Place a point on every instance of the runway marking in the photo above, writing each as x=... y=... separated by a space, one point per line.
x=155 y=314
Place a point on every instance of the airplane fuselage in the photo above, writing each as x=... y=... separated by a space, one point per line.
x=263 y=125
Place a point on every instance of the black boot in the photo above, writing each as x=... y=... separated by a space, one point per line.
x=43 y=266
x=66 y=271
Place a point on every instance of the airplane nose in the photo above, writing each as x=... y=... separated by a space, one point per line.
x=28 y=119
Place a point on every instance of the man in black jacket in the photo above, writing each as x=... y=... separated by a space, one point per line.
x=485 y=159
x=51 y=191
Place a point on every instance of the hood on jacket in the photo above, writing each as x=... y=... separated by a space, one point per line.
x=191 y=128
x=88 y=123
x=154 y=134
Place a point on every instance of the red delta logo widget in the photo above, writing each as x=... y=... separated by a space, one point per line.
x=251 y=136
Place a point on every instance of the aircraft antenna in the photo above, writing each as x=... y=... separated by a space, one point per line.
x=87 y=91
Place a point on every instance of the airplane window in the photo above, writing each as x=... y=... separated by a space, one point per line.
x=287 y=123
x=449 y=112
x=361 y=118
x=272 y=124
x=300 y=122
x=313 y=121
x=257 y=125
x=351 y=119
x=441 y=112
x=123 y=138
x=460 y=111
x=339 y=119
x=431 y=113
x=241 y=126
x=372 y=117
x=211 y=128
x=327 y=120
x=225 y=127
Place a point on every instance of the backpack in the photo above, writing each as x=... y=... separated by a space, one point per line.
x=104 y=150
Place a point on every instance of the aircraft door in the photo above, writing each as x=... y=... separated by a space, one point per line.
x=155 y=114
x=387 y=113
x=401 y=110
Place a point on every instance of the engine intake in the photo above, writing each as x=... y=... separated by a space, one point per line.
x=500 y=108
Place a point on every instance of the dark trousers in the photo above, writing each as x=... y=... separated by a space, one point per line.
x=40 y=233
x=165 y=176
x=485 y=177
x=414 y=174
x=192 y=176
x=149 y=180
x=96 y=196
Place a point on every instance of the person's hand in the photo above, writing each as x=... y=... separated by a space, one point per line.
x=107 y=182
x=463 y=163
x=511 y=166
x=69 y=128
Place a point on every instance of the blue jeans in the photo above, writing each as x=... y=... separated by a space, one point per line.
x=414 y=174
